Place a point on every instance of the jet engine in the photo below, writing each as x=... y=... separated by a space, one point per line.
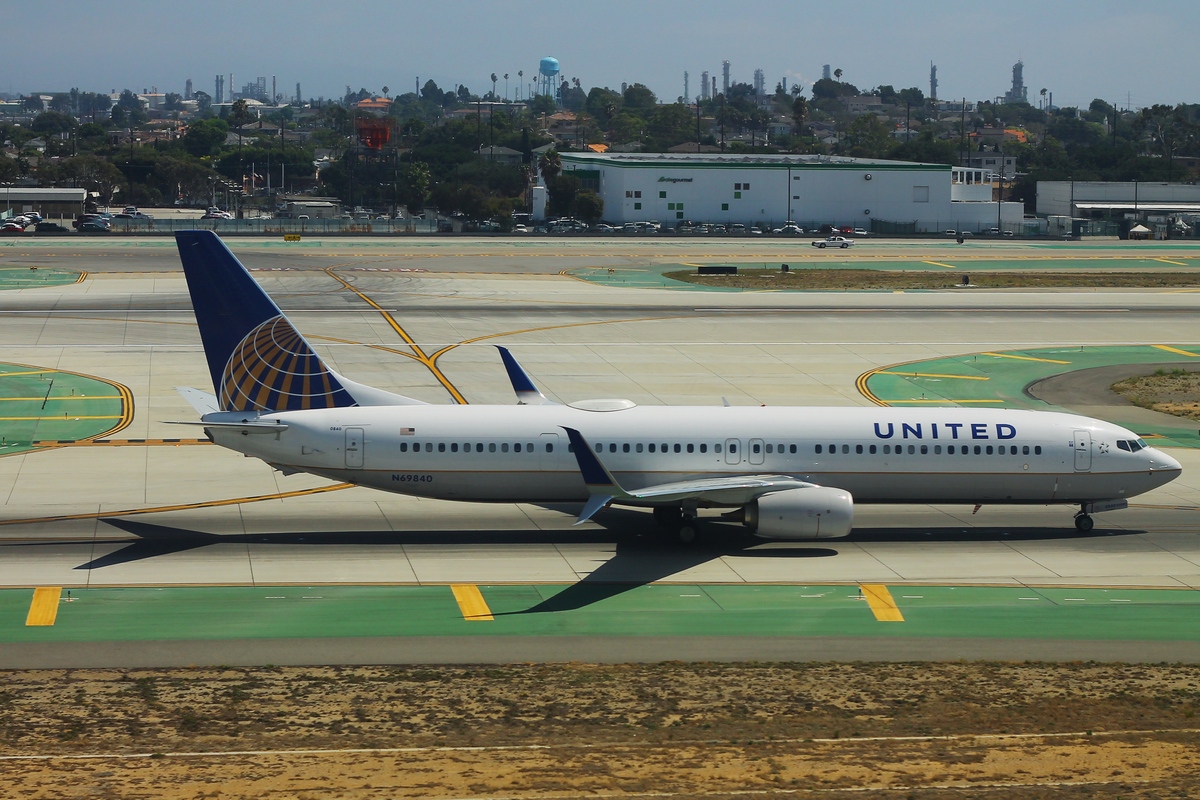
x=818 y=512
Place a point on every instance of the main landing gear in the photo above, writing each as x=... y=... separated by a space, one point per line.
x=1084 y=522
x=679 y=522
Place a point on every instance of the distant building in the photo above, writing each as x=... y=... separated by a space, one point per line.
x=501 y=155
x=863 y=103
x=1018 y=93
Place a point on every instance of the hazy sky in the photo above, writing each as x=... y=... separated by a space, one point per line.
x=1143 y=53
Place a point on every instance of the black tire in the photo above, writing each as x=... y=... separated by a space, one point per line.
x=844 y=245
x=821 y=245
x=687 y=533
x=1084 y=523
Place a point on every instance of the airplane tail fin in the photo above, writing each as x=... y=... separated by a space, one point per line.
x=257 y=359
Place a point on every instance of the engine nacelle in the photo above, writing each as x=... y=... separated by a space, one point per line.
x=818 y=512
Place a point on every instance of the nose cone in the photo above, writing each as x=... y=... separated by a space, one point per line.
x=1163 y=466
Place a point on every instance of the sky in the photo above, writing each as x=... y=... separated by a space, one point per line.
x=1127 y=53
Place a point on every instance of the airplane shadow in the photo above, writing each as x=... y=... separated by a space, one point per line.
x=641 y=553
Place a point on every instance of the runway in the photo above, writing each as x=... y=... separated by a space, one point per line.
x=157 y=513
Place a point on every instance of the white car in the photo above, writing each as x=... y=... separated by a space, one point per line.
x=861 y=232
x=833 y=241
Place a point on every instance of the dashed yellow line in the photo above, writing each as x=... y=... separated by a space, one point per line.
x=940 y=264
x=43 y=610
x=1170 y=349
x=471 y=603
x=880 y=600
x=932 y=375
x=1025 y=358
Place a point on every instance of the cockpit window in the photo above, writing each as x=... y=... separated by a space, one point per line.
x=1123 y=445
x=1131 y=446
x=1140 y=445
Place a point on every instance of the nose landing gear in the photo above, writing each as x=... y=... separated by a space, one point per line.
x=1083 y=521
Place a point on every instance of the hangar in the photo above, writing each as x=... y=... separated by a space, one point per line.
x=16 y=200
x=769 y=190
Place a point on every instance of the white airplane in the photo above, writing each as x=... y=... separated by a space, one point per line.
x=785 y=472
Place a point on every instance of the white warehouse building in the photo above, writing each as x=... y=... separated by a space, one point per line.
x=882 y=196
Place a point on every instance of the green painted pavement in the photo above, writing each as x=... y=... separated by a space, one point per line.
x=38 y=404
x=29 y=278
x=162 y=614
x=955 y=380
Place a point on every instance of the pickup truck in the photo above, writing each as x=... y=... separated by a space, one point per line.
x=833 y=241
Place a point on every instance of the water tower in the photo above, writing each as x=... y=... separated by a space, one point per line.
x=548 y=77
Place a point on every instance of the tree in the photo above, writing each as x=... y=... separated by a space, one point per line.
x=92 y=173
x=173 y=102
x=493 y=86
x=430 y=91
x=61 y=102
x=205 y=137
x=51 y=123
x=837 y=74
x=131 y=104
x=639 y=98
x=33 y=103
x=868 y=137
x=799 y=113
x=415 y=183
x=203 y=102
x=912 y=96
x=549 y=165
x=589 y=206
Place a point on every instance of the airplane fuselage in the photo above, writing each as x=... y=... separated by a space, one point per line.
x=880 y=455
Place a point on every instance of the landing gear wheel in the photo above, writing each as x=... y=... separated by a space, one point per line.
x=687 y=533
x=1084 y=523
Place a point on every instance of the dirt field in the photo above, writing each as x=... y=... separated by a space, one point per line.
x=919 y=731
x=1172 y=391
x=866 y=279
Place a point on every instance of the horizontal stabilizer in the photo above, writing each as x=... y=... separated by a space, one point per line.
x=203 y=402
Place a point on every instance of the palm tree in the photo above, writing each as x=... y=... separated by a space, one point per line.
x=837 y=73
x=1043 y=94
x=385 y=91
x=506 y=87
x=550 y=165
x=520 y=78
x=493 y=86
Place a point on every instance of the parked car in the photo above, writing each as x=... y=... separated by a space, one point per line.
x=49 y=227
x=789 y=230
x=1009 y=233
x=737 y=228
x=135 y=215
x=602 y=227
x=717 y=229
x=11 y=228
x=861 y=232
x=520 y=229
x=951 y=232
x=94 y=226
x=834 y=241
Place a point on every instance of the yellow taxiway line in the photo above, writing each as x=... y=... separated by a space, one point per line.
x=1169 y=261
x=931 y=375
x=1170 y=349
x=880 y=600
x=1025 y=358
x=940 y=264
x=43 y=611
x=470 y=601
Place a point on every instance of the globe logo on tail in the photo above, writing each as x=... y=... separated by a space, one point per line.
x=274 y=369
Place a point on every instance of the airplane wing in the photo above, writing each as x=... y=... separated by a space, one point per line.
x=734 y=490
x=527 y=392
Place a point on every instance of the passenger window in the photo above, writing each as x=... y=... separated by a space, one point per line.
x=479 y=447
x=703 y=448
x=950 y=449
x=651 y=447
x=612 y=448
x=691 y=448
x=937 y=449
x=732 y=448
x=770 y=448
x=872 y=449
x=639 y=447
x=625 y=447
x=529 y=447
x=845 y=449
x=756 y=448
x=454 y=447
x=429 y=447
x=549 y=447
x=858 y=449
x=989 y=449
x=663 y=448
x=792 y=448
x=912 y=448
x=441 y=447
x=404 y=447
x=599 y=447
x=1025 y=450
x=887 y=449
x=491 y=447
x=504 y=447
x=570 y=447
x=832 y=448
x=677 y=448
x=1037 y=449
x=818 y=449
x=517 y=447
x=978 y=450
x=924 y=449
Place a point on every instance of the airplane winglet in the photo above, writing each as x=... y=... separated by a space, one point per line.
x=594 y=504
x=527 y=392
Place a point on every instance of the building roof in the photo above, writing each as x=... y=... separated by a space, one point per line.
x=1129 y=205
x=42 y=194
x=740 y=159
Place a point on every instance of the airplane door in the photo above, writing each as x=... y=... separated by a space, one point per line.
x=733 y=451
x=1083 y=451
x=755 y=453
x=548 y=451
x=354 y=448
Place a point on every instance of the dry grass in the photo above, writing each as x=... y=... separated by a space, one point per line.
x=1172 y=391
x=797 y=730
x=804 y=279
